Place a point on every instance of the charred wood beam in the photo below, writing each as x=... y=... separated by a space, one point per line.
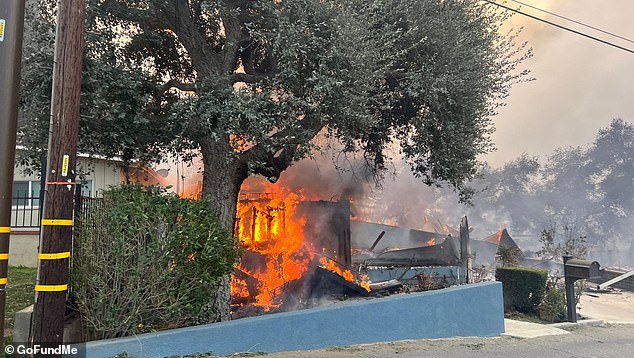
x=390 y=285
x=377 y=240
x=326 y=282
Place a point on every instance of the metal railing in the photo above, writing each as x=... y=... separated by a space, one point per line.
x=86 y=206
x=25 y=211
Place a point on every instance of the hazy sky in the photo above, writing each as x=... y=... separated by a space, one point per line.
x=580 y=86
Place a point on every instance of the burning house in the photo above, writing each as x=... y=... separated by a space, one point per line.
x=298 y=251
x=295 y=251
x=310 y=238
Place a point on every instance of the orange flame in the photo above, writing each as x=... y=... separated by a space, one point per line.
x=272 y=230
x=334 y=267
x=431 y=242
x=500 y=234
x=238 y=143
x=267 y=226
x=239 y=288
x=363 y=280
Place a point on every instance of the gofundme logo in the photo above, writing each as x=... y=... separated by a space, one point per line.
x=37 y=349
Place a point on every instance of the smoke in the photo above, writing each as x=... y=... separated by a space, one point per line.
x=580 y=84
x=323 y=177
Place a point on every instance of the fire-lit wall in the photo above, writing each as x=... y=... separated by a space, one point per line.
x=470 y=310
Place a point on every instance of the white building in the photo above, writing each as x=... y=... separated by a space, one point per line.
x=25 y=212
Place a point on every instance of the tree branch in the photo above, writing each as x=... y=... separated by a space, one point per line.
x=246 y=78
x=233 y=36
x=278 y=154
x=185 y=87
x=147 y=19
x=205 y=58
x=238 y=3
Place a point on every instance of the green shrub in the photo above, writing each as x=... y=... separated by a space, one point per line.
x=524 y=288
x=553 y=307
x=145 y=260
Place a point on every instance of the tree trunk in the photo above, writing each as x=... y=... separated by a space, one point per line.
x=222 y=178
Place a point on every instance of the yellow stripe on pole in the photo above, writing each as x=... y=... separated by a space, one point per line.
x=5 y=230
x=57 y=222
x=51 y=288
x=3 y=281
x=4 y=256
x=54 y=256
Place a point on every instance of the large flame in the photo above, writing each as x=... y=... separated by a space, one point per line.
x=271 y=230
x=267 y=226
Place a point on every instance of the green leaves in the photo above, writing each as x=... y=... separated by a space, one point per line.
x=426 y=76
x=145 y=260
x=445 y=66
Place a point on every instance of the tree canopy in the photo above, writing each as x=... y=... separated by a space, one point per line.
x=251 y=83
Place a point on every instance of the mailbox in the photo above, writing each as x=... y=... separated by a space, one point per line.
x=575 y=269
x=581 y=269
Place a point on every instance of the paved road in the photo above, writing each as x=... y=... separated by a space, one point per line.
x=585 y=341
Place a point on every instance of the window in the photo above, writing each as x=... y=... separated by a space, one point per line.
x=26 y=193
x=86 y=187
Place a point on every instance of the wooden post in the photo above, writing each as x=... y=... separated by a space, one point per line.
x=569 y=284
x=465 y=249
x=11 y=30
x=56 y=227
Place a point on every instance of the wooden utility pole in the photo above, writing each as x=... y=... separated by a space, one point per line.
x=11 y=29
x=465 y=249
x=57 y=221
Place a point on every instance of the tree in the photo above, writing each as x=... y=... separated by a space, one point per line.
x=559 y=239
x=118 y=117
x=609 y=169
x=593 y=185
x=508 y=195
x=514 y=178
x=250 y=83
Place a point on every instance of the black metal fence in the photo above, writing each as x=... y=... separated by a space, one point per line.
x=26 y=209
x=86 y=206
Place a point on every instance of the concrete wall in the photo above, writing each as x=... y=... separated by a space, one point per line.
x=470 y=310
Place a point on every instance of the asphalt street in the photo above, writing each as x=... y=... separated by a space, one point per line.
x=609 y=340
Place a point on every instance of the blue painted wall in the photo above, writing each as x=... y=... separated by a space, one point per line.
x=470 y=310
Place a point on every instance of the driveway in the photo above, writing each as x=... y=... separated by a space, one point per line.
x=609 y=307
x=607 y=341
